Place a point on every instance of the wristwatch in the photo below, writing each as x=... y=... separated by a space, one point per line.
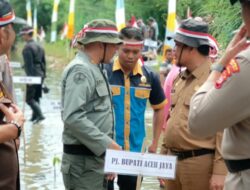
x=217 y=67
x=19 y=128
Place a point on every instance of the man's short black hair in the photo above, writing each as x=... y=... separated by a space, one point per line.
x=131 y=33
x=204 y=50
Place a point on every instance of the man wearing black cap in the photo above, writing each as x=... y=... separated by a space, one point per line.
x=34 y=65
x=200 y=165
x=11 y=127
x=223 y=103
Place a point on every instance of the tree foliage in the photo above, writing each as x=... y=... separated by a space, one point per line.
x=222 y=17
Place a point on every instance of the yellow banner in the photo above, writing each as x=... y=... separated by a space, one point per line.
x=71 y=20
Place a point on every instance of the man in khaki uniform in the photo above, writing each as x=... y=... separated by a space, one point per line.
x=223 y=103
x=86 y=108
x=11 y=120
x=199 y=166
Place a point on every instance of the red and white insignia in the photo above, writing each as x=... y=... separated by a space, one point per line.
x=232 y=67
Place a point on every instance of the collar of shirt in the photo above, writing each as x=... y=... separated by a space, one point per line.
x=85 y=57
x=197 y=73
x=137 y=69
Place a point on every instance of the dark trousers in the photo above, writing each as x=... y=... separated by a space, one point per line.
x=124 y=182
x=33 y=94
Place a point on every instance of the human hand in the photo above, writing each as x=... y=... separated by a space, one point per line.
x=217 y=182
x=162 y=182
x=13 y=113
x=153 y=147
x=237 y=44
x=113 y=145
x=110 y=176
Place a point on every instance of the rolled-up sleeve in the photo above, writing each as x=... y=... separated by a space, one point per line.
x=213 y=109
x=77 y=95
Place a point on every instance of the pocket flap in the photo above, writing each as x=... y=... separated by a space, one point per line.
x=102 y=90
x=65 y=168
x=142 y=93
x=116 y=90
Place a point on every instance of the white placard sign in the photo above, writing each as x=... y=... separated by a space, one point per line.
x=151 y=63
x=15 y=64
x=146 y=164
x=27 y=80
x=150 y=43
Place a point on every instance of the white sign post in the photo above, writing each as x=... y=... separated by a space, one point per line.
x=146 y=164
x=15 y=64
x=27 y=80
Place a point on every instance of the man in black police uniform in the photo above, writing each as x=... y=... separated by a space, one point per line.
x=34 y=65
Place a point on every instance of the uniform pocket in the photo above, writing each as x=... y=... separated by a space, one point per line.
x=72 y=168
x=102 y=90
x=102 y=101
x=116 y=90
x=66 y=175
x=142 y=93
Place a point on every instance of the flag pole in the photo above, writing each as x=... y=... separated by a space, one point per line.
x=170 y=26
x=71 y=25
x=54 y=21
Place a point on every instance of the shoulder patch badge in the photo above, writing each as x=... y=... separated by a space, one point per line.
x=232 y=67
x=79 y=77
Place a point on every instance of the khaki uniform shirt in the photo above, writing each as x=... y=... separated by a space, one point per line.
x=228 y=107
x=6 y=75
x=86 y=105
x=176 y=135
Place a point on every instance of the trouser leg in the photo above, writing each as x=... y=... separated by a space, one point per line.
x=126 y=182
x=36 y=109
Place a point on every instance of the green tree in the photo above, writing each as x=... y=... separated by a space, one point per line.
x=222 y=17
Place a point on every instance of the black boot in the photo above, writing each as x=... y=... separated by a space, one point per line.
x=33 y=117
x=37 y=111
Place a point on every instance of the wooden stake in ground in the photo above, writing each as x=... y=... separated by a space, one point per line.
x=23 y=131
x=139 y=177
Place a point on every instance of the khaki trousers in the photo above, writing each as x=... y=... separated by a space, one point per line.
x=192 y=174
x=238 y=181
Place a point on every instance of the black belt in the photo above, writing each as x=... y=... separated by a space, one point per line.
x=78 y=150
x=237 y=165
x=181 y=155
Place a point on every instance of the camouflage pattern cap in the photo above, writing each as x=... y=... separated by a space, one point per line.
x=99 y=30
